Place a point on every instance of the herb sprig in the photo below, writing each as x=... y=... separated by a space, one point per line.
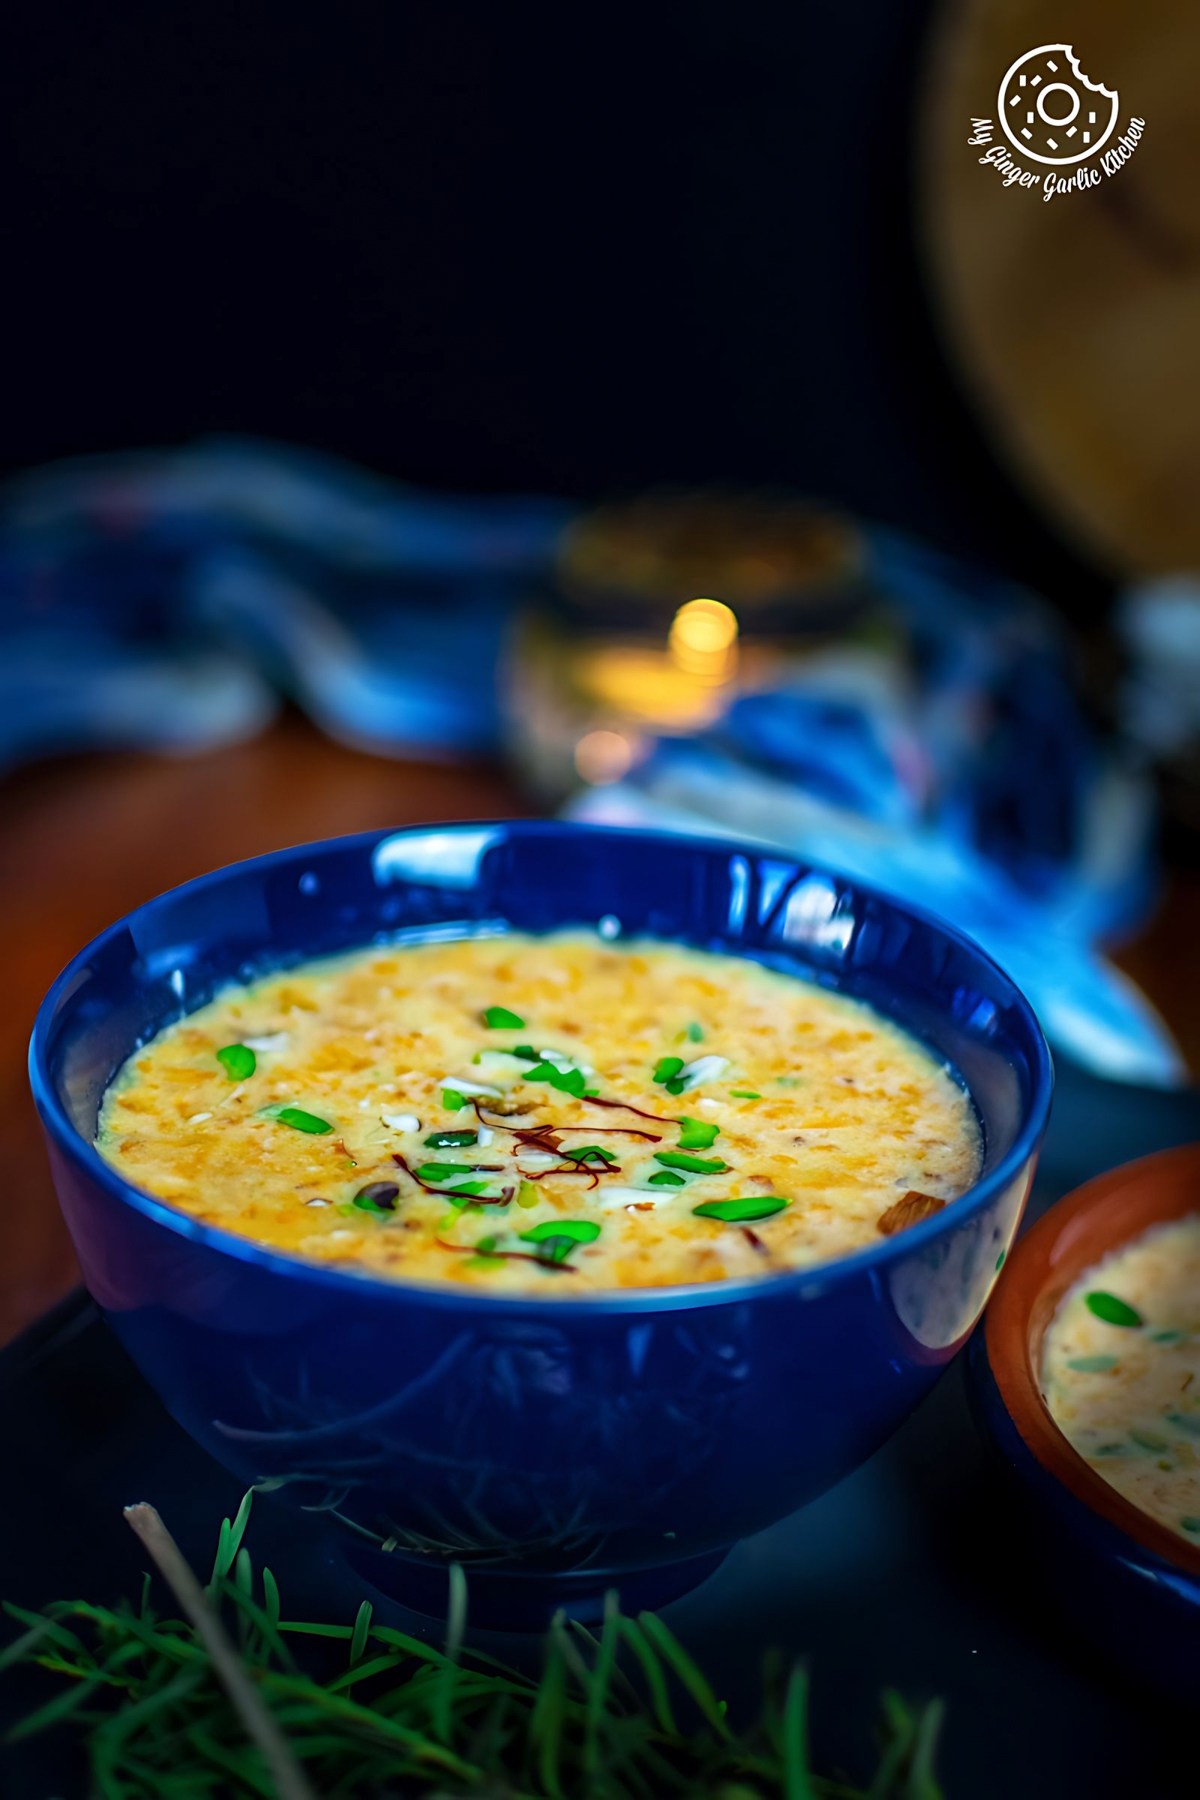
x=229 y=1700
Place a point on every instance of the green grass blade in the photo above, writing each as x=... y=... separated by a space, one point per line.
x=271 y=1598
x=257 y=1616
x=303 y=1628
x=54 y=1711
x=362 y=1626
x=900 y=1723
x=367 y=1719
x=602 y=1673
x=797 y=1772
x=456 y=1623
x=652 y=1669
x=242 y=1762
x=690 y=1677
x=922 y=1783
x=546 y=1718
x=229 y=1542
x=400 y=1640
x=377 y=1665
x=40 y=1626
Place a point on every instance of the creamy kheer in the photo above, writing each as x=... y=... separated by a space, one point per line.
x=551 y=1115
x=1121 y=1372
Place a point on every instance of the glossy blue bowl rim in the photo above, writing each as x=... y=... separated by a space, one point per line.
x=875 y=1257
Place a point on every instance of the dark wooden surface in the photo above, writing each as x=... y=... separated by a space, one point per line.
x=86 y=838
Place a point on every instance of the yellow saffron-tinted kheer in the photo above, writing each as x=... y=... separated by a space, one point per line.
x=1121 y=1372
x=548 y=1115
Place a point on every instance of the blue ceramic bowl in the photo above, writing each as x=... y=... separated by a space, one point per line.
x=553 y=1447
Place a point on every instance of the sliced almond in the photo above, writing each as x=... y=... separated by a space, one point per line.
x=909 y=1210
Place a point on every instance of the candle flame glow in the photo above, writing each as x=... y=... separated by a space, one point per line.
x=703 y=640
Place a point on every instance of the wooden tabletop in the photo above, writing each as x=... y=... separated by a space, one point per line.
x=87 y=838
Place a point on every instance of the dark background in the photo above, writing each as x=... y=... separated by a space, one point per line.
x=577 y=249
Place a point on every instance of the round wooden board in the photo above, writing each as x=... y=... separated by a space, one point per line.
x=1075 y=322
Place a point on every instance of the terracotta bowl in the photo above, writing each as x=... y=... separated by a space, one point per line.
x=1099 y=1527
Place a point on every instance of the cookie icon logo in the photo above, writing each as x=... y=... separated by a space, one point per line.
x=1050 y=111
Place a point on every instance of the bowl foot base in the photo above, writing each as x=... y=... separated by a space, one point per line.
x=525 y=1600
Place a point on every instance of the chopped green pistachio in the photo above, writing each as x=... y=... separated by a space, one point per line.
x=1149 y=1440
x=695 y=1034
x=1092 y=1365
x=695 y=1165
x=1111 y=1309
x=483 y=1257
x=667 y=1178
x=694 y=1134
x=452 y=1100
x=1166 y=1337
x=786 y=1081
x=498 y=1018
x=556 y=1238
x=463 y=1191
x=1189 y=1422
x=580 y=1231
x=377 y=1197
x=590 y=1153
x=451 y=1140
x=238 y=1061
x=667 y=1068
x=527 y=1194
x=299 y=1120
x=743 y=1094
x=742 y=1210
x=527 y=1052
x=567 y=1081
x=443 y=1171
x=1191 y=1523
x=1000 y=1260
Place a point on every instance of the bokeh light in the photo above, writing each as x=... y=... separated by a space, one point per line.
x=603 y=756
x=703 y=640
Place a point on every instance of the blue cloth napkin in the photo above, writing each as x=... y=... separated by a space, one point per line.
x=166 y=599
